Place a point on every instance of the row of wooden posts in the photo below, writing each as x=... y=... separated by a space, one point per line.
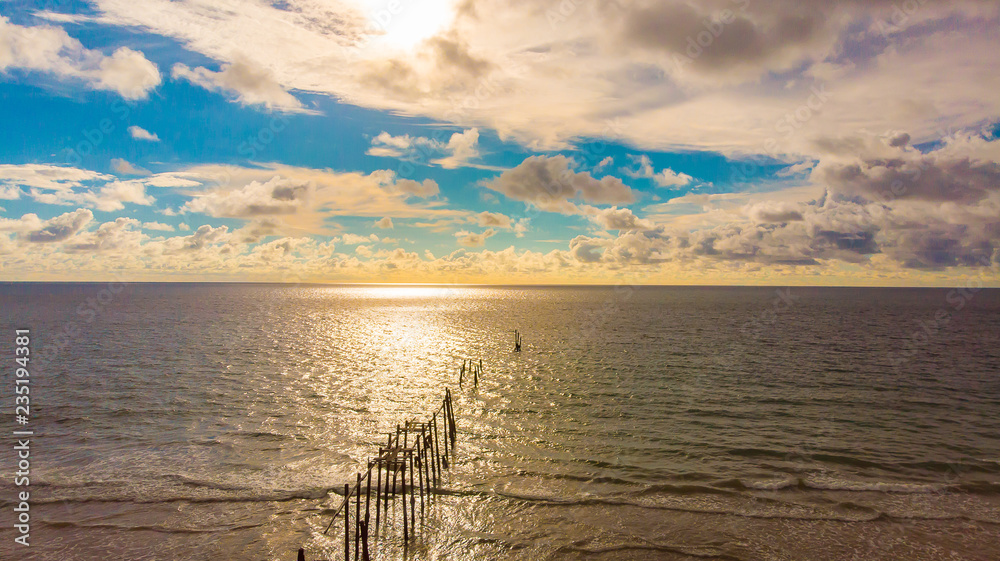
x=415 y=457
x=474 y=369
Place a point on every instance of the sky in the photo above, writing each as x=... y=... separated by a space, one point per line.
x=707 y=142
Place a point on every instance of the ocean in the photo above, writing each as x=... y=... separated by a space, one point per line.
x=218 y=421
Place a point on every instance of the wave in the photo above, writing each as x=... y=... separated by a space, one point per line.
x=204 y=484
x=314 y=493
x=843 y=512
x=702 y=553
x=151 y=528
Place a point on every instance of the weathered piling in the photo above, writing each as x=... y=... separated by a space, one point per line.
x=517 y=341
x=357 y=516
x=365 y=554
x=378 y=489
x=415 y=463
x=347 y=524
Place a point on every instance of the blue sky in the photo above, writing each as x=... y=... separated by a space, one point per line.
x=716 y=142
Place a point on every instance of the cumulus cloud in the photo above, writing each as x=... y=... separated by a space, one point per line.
x=459 y=150
x=273 y=197
x=385 y=223
x=911 y=175
x=140 y=133
x=354 y=239
x=157 y=226
x=550 y=183
x=305 y=198
x=615 y=218
x=125 y=168
x=50 y=49
x=495 y=219
x=249 y=83
x=521 y=227
x=57 y=185
x=663 y=178
x=60 y=228
x=773 y=211
x=121 y=234
x=471 y=239
x=425 y=188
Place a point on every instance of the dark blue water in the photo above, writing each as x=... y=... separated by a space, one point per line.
x=213 y=421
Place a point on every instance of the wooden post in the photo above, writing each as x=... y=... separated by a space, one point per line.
x=451 y=417
x=302 y=554
x=378 y=490
x=402 y=467
x=428 y=451
x=420 y=470
x=437 y=454
x=347 y=524
x=365 y=555
x=368 y=493
x=357 y=518
x=413 y=496
x=444 y=437
x=395 y=456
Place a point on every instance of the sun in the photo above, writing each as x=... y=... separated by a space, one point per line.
x=403 y=24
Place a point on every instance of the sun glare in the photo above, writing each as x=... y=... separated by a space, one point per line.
x=408 y=291
x=403 y=24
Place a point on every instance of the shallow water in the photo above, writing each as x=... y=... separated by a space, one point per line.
x=214 y=421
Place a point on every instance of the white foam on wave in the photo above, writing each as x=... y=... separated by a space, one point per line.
x=838 y=484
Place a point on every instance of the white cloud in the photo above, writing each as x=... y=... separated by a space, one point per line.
x=306 y=198
x=120 y=235
x=550 y=183
x=495 y=219
x=48 y=177
x=459 y=151
x=663 y=178
x=59 y=228
x=615 y=218
x=608 y=161
x=354 y=239
x=274 y=197
x=159 y=226
x=385 y=223
x=521 y=227
x=547 y=84
x=10 y=192
x=471 y=239
x=250 y=84
x=125 y=168
x=57 y=185
x=50 y=49
x=461 y=148
x=140 y=133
